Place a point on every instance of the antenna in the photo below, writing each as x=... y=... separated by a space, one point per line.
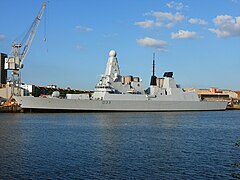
x=153 y=64
x=153 y=78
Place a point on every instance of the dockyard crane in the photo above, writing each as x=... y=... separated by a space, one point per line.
x=15 y=61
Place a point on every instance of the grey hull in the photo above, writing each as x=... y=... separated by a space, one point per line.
x=28 y=102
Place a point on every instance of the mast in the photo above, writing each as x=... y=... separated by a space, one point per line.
x=153 y=64
x=153 y=78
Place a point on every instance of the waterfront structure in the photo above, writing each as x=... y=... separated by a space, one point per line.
x=213 y=94
x=3 y=71
x=52 y=86
x=6 y=91
x=232 y=94
x=19 y=51
x=115 y=92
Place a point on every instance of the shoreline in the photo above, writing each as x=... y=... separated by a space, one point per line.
x=10 y=109
x=17 y=109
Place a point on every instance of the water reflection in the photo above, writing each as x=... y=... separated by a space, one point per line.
x=12 y=145
x=118 y=145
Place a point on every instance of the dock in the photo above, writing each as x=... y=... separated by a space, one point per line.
x=10 y=109
x=234 y=107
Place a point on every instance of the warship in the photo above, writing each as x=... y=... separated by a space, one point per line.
x=115 y=92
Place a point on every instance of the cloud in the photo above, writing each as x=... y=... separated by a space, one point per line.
x=153 y=43
x=2 y=37
x=236 y=1
x=166 y=16
x=79 y=47
x=110 y=35
x=197 y=21
x=83 y=29
x=226 y=26
x=166 y=19
x=162 y=19
x=182 y=34
x=145 y=24
x=175 y=5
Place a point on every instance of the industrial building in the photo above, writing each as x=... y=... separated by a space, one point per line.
x=3 y=72
x=210 y=94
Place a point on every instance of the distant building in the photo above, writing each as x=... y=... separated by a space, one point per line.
x=232 y=94
x=28 y=89
x=211 y=93
x=6 y=91
x=238 y=93
x=52 y=86
x=3 y=72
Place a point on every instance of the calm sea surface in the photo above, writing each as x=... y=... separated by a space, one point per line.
x=171 y=145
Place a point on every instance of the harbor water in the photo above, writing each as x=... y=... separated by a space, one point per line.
x=161 y=145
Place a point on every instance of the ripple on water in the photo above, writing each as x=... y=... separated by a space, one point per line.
x=179 y=145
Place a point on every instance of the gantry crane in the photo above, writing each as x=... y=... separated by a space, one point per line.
x=15 y=61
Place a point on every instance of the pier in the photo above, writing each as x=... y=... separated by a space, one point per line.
x=10 y=109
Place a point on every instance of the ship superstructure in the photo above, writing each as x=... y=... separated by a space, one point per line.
x=113 y=85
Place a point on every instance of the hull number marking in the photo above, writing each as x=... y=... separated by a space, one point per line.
x=106 y=102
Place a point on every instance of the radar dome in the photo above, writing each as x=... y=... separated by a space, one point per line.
x=112 y=53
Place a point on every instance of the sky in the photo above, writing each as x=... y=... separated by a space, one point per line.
x=198 y=40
